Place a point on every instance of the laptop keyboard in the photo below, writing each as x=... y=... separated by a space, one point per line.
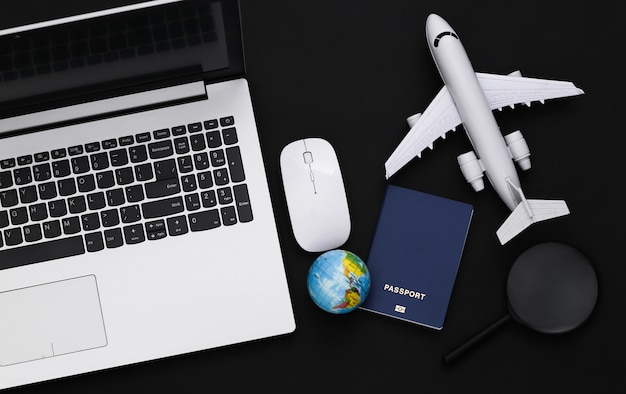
x=115 y=192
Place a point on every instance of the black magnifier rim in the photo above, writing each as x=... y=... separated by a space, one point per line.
x=552 y=288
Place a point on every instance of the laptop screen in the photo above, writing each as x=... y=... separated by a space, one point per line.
x=112 y=52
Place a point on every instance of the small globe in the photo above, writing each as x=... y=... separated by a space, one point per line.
x=338 y=281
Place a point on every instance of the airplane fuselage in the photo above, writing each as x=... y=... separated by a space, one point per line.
x=477 y=117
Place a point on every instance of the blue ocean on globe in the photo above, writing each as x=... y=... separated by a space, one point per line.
x=338 y=281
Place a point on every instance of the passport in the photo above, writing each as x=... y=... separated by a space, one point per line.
x=415 y=255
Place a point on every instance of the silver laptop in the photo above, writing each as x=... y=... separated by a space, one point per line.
x=135 y=216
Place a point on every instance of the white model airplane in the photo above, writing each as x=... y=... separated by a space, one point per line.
x=469 y=98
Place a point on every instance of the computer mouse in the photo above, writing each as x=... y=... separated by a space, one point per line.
x=315 y=194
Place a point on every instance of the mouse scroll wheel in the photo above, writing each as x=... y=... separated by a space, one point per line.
x=308 y=157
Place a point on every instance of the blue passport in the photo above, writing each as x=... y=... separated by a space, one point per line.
x=415 y=255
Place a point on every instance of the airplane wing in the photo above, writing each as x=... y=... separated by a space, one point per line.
x=508 y=90
x=439 y=117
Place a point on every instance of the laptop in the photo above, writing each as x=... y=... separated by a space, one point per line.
x=135 y=215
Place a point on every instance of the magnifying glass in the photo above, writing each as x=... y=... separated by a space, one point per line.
x=552 y=288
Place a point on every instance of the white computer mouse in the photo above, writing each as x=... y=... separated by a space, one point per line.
x=315 y=193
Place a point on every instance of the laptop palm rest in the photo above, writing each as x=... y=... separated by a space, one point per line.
x=50 y=320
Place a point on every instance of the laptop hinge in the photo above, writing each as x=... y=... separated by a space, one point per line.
x=105 y=107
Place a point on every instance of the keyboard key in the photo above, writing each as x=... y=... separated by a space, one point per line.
x=161 y=208
x=181 y=145
x=52 y=229
x=242 y=202
x=94 y=242
x=77 y=204
x=38 y=212
x=124 y=176
x=143 y=172
x=213 y=139
x=138 y=153
x=47 y=190
x=66 y=187
x=134 y=234
x=58 y=153
x=90 y=221
x=228 y=216
x=206 y=220
x=86 y=183
x=185 y=164
x=105 y=179
x=179 y=130
x=57 y=208
x=41 y=156
x=194 y=127
x=235 y=164
x=192 y=202
x=143 y=137
x=165 y=169
x=6 y=179
x=8 y=198
x=113 y=238
x=80 y=164
x=99 y=161
x=134 y=193
x=118 y=157
x=217 y=158
x=110 y=144
x=4 y=219
x=115 y=197
x=61 y=168
x=32 y=233
x=197 y=142
x=160 y=149
x=220 y=177
x=75 y=150
x=177 y=225
x=25 y=160
x=12 y=237
x=201 y=161
x=96 y=201
x=70 y=225
x=210 y=124
x=42 y=172
x=110 y=218
x=22 y=176
x=92 y=147
x=163 y=188
x=128 y=140
x=230 y=135
x=28 y=194
x=227 y=121
x=130 y=214
x=18 y=216
x=7 y=163
x=189 y=183
x=35 y=253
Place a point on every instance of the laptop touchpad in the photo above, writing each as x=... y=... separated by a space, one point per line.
x=50 y=320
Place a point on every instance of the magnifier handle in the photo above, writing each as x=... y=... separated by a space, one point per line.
x=456 y=353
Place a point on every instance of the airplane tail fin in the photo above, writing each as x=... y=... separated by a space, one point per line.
x=528 y=212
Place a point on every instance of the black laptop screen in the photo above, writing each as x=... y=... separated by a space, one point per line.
x=125 y=51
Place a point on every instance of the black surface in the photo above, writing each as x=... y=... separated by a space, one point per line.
x=351 y=72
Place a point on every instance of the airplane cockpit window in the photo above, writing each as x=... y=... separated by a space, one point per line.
x=441 y=35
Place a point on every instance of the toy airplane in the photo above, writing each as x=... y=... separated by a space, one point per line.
x=469 y=98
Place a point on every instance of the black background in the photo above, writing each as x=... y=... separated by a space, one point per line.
x=351 y=71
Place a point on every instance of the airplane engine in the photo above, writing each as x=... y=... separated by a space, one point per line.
x=411 y=120
x=519 y=149
x=472 y=170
